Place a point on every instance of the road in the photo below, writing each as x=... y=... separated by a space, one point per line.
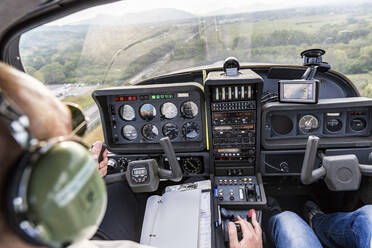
x=92 y=114
x=64 y=90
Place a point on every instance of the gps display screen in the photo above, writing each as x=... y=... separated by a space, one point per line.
x=301 y=91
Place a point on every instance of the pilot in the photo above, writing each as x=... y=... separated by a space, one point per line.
x=49 y=118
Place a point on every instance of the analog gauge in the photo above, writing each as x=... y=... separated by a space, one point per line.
x=147 y=111
x=169 y=110
x=170 y=130
x=150 y=131
x=127 y=112
x=129 y=132
x=191 y=165
x=358 y=124
x=189 y=109
x=190 y=130
x=334 y=125
x=308 y=123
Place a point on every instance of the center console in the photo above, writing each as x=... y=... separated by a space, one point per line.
x=244 y=191
x=234 y=114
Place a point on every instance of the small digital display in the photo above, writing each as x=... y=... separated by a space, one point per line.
x=139 y=172
x=180 y=95
x=301 y=91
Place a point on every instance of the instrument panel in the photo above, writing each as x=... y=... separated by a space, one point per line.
x=137 y=117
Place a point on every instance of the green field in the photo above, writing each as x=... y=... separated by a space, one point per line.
x=363 y=82
x=93 y=135
x=83 y=101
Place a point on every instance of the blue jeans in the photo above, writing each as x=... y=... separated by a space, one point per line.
x=349 y=230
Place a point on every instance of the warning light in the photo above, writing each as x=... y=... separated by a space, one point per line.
x=117 y=99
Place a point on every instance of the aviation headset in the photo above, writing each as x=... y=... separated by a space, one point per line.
x=54 y=195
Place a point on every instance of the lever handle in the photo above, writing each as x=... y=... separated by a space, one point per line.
x=308 y=174
x=114 y=178
x=365 y=169
x=175 y=172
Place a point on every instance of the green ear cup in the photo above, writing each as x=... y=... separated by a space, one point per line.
x=67 y=197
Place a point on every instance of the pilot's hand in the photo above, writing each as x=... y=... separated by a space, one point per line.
x=102 y=166
x=252 y=233
x=48 y=116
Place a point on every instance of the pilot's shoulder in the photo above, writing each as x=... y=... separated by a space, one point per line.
x=108 y=244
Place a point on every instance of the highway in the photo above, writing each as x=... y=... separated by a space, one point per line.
x=64 y=90
x=92 y=115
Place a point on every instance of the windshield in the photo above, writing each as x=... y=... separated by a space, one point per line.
x=127 y=41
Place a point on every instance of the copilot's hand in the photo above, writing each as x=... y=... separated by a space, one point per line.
x=252 y=233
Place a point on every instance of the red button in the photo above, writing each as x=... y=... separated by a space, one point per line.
x=250 y=212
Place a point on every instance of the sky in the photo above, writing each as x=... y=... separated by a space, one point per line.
x=196 y=7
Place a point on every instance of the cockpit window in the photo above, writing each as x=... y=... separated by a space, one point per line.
x=127 y=41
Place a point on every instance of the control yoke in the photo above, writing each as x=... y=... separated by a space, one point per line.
x=144 y=175
x=308 y=174
x=340 y=173
x=175 y=172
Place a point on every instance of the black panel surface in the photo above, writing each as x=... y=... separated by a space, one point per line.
x=337 y=119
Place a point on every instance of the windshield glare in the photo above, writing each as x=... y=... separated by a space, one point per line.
x=125 y=42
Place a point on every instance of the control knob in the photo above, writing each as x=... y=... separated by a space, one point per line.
x=112 y=163
x=123 y=163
